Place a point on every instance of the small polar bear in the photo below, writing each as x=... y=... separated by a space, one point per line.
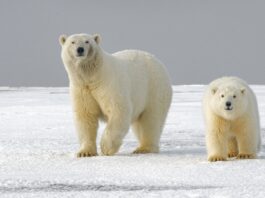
x=232 y=120
x=126 y=88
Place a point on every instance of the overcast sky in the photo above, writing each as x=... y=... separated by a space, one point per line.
x=197 y=40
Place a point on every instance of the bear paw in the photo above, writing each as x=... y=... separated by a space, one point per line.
x=215 y=158
x=144 y=150
x=86 y=153
x=232 y=154
x=109 y=147
x=246 y=156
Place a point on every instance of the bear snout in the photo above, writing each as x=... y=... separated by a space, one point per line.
x=80 y=51
x=228 y=105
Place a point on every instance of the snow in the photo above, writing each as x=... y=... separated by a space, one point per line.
x=38 y=144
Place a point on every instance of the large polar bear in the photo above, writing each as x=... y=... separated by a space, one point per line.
x=126 y=88
x=232 y=120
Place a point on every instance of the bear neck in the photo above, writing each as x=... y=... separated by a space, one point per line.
x=230 y=120
x=90 y=67
x=89 y=73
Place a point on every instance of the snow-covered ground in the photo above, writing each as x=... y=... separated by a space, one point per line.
x=38 y=144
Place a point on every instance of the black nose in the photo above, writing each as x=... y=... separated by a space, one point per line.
x=80 y=50
x=228 y=104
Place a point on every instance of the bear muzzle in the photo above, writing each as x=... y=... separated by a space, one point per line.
x=80 y=51
x=228 y=106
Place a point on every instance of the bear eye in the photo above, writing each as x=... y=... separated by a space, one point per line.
x=87 y=42
x=234 y=96
x=73 y=42
x=222 y=95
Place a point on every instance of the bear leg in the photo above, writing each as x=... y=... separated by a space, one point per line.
x=148 y=129
x=113 y=135
x=247 y=144
x=87 y=133
x=232 y=147
x=216 y=145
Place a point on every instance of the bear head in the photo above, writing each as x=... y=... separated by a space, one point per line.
x=79 y=49
x=229 y=101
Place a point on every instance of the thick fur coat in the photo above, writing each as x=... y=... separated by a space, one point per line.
x=232 y=120
x=127 y=88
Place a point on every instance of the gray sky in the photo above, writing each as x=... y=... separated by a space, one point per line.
x=197 y=40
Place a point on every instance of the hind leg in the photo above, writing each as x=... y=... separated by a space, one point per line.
x=149 y=126
x=148 y=129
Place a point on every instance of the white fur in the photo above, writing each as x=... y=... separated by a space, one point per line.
x=126 y=88
x=235 y=132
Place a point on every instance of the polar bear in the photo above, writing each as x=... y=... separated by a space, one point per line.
x=126 y=88
x=232 y=120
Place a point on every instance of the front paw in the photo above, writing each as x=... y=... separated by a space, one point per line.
x=215 y=158
x=246 y=156
x=108 y=146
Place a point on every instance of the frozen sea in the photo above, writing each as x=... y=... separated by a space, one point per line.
x=38 y=144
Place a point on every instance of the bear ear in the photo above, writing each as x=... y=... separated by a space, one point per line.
x=62 y=39
x=243 y=90
x=214 y=90
x=97 y=38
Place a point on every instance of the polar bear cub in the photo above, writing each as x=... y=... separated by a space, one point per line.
x=126 y=88
x=232 y=120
